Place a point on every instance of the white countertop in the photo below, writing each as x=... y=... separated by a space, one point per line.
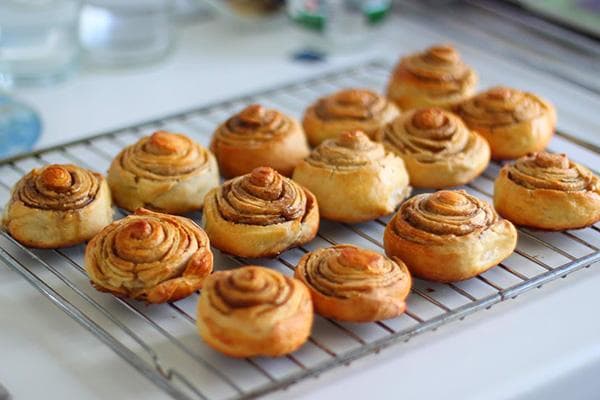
x=544 y=344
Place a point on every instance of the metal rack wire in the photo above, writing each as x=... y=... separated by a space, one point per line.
x=161 y=341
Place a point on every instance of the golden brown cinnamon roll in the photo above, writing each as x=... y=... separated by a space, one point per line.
x=347 y=110
x=58 y=206
x=448 y=236
x=436 y=77
x=258 y=137
x=353 y=284
x=513 y=122
x=438 y=149
x=260 y=214
x=149 y=256
x=548 y=191
x=165 y=172
x=254 y=311
x=353 y=178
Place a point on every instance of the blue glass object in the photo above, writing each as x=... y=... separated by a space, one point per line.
x=20 y=127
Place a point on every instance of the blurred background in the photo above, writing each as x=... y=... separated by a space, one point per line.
x=70 y=68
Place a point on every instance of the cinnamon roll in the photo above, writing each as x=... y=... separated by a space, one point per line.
x=448 y=236
x=260 y=214
x=149 y=256
x=513 y=122
x=436 y=77
x=353 y=178
x=353 y=284
x=258 y=137
x=548 y=191
x=165 y=172
x=438 y=149
x=58 y=206
x=347 y=110
x=254 y=311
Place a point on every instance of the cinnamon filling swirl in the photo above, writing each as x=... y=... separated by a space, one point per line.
x=431 y=134
x=443 y=213
x=140 y=251
x=550 y=171
x=251 y=287
x=500 y=106
x=254 y=123
x=262 y=197
x=58 y=187
x=350 y=150
x=164 y=156
x=440 y=67
x=351 y=104
x=345 y=271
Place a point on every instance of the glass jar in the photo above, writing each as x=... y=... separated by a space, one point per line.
x=38 y=41
x=115 y=33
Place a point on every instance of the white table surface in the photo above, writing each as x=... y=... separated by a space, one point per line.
x=544 y=344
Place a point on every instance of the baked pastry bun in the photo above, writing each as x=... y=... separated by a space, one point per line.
x=347 y=110
x=438 y=149
x=513 y=122
x=257 y=137
x=57 y=206
x=448 y=236
x=165 y=172
x=260 y=214
x=547 y=191
x=149 y=256
x=353 y=284
x=437 y=77
x=353 y=178
x=254 y=311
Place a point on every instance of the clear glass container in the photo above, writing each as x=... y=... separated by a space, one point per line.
x=38 y=41
x=115 y=33
x=339 y=24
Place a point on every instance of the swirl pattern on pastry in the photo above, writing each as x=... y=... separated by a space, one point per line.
x=351 y=150
x=435 y=77
x=254 y=124
x=347 y=110
x=164 y=156
x=256 y=137
x=448 y=235
x=513 y=122
x=353 y=284
x=58 y=205
x=164 y=171
x=438 y=149
x=427 y=217
x=253 y=311
x=353 y=178
x=548 y=191
x=149 y=256
x=260 y=214
x=58 y=187
x=551 y=171
x=261 y=198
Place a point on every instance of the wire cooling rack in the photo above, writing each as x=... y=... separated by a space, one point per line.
x=161 y=342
